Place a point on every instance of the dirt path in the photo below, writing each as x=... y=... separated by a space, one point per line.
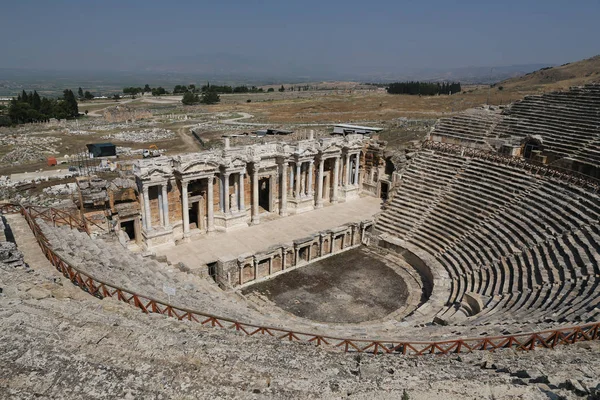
x=239 y=121
x=188 y=139
x=98 y=113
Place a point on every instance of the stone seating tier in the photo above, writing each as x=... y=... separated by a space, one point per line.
x=569 y=123
x=527 y=246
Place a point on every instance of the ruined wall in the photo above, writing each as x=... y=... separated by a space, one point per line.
x=252 y=267
x=174 y=199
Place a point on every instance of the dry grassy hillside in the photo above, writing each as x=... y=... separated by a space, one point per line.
x=556 y=78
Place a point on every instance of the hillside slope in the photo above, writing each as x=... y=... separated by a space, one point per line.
x=556 y=78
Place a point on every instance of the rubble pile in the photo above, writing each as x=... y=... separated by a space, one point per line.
x=10 y=255
x=78 y=132
x=61 y=190
x=27 y=148
x=122 y=183
x=143 y=136
x=128 y=151
x=93 y=191
x=25 y=154
x=123 y=113
x=94 y=125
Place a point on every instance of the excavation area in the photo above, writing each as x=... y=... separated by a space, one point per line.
x=351 y=287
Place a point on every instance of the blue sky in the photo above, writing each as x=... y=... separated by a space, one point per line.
x=350 y=35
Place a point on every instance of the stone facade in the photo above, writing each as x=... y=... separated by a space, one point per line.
x=251 y=268
x=218 y=190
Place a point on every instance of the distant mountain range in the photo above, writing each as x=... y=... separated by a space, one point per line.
x=230 y=66
x=224 y=68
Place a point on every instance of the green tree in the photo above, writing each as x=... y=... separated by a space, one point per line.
x=71 y=107
x=282 y=89
x=147 y=89
x=36 y=102
x=270 y=90
x=190 y=98
x=47 y=107
x=80 y=93
x=210 y=97
x=88 y=96
x=180 y=89
x=158 y=91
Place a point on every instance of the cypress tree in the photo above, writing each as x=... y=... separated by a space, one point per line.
x=36 y=102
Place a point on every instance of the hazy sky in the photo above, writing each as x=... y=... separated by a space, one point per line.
x=347 y=34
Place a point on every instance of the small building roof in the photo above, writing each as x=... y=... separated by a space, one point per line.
x=366 y=128
x=102 y=149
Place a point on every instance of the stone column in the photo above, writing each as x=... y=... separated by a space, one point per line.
x=320 y=184
x=283 y=187
x=255 y=217
x=161 y=221
x=221 y=195
x=309 y=184
x=283 y=258
x=348 y=168
x=165 y=203
x=185 y=208
x=241 y=205
x=292 y=182
x=210 y=203
x=272 y=194
x=336 y=180
x=357 y=164
x=147 y=208
x=225 y=192
x=298 y=178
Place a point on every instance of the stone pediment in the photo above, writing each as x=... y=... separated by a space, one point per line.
x=238 y=162
x=157 y=168
x=198 y=166
x=308 y=151
x=156 y=172
x=331 y=148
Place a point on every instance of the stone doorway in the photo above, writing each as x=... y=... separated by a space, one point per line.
x=530 y=147
x=264 y=194
x=197 y=213
x=384 y=191
x=193 y=215
x=129 y=228
x=212 y=270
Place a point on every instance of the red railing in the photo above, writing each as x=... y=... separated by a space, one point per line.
x=54 y=216
x=100 y=289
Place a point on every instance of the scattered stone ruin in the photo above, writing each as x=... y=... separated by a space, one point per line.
x=123 y=113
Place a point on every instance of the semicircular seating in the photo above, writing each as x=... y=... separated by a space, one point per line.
x=518 y=248
x=568 y=123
